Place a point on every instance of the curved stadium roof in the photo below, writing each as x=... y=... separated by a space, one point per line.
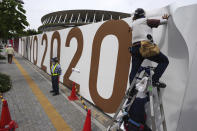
x=70 y=18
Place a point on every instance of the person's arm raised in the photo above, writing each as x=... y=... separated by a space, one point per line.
x=154 y=23
x=164 y=19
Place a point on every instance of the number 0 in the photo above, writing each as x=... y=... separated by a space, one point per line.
x=120 y=30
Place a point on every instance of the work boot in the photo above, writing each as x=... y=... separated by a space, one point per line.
x=52 y=91
x=159 y=84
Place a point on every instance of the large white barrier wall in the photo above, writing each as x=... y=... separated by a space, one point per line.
x=100 y=51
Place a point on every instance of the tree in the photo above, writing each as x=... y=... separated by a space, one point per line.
x=31 y=32
x=12 y=19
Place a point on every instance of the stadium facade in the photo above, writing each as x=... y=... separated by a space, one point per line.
x=71 y=18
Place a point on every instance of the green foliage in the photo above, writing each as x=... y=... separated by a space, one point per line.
x=5 y=83
x=30 y=32
x=2 y=57
x=12 y=19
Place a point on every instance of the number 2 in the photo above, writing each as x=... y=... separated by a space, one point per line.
x=75 y=32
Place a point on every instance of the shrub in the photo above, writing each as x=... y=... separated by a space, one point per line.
x=5 y=83
x=2 y=57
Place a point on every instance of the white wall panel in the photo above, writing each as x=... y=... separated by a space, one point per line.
x=177 y=40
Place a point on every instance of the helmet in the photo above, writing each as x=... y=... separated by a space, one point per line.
x=55 y=59
x=139 y=12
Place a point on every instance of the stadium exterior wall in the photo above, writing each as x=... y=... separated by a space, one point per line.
x=100 y=51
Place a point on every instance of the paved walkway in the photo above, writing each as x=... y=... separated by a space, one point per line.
x=35 y=109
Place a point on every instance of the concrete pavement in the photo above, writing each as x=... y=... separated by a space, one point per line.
x=29 y=112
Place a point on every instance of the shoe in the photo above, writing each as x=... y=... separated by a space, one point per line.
x=133 y=92
x=55 y=94
x=52 y=91
x=159 y=84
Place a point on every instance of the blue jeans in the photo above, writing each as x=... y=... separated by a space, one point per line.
x=137 y=60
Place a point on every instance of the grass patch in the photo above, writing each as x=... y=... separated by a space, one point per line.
x=5 y=83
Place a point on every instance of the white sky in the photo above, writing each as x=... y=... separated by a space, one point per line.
x=38 y=8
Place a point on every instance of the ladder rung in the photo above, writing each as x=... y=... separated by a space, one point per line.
x=125 y=106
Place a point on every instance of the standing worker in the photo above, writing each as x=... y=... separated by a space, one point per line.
x=55 y=73
x=10 y=52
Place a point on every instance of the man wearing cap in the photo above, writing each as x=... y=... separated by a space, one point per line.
x=10 y=52
x=142 y=30
x=55 y=73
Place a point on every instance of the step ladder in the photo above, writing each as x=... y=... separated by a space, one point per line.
x=157 y=115
x=156 y=110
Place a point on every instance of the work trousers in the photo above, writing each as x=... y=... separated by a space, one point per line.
x=10 y=58
x=137 y=60
x=55 y=83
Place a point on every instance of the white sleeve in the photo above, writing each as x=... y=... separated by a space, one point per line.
x=163 y=21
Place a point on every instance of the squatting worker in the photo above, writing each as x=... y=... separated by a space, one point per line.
x=10 y=53
x=55 y=73
x=142 y=30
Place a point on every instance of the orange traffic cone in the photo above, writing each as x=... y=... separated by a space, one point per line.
x=73 y=96
x=87 y=125
x=6 y=118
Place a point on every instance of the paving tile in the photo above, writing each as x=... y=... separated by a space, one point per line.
x=27 y=111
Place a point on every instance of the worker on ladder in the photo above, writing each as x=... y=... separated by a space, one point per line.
x=141 y=28
x=55 y=73
x=142 y=33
